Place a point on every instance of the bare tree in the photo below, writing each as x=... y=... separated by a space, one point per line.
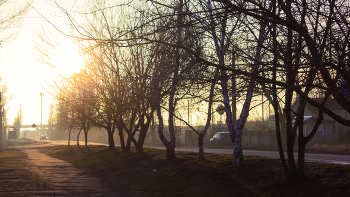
x=66 y=114
x=208 y=99
x=12 y=18
x=52 y=120
x=309 y=52
x=84 y=102
x=5 y=99
x=17 y=122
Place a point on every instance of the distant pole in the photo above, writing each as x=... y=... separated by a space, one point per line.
x=41 y=118
x=0 y=53
x=1 y=112
x=0 y=120
x=262 y=106
x=188 y=111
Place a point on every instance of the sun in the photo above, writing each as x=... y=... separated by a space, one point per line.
x=68 y=60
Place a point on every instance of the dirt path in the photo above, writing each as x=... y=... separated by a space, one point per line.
x=63 y=177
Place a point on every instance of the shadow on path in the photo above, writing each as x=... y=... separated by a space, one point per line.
x=66 y=179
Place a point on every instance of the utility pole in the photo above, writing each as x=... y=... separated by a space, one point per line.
x=1 y=112
x=41 y=118
x=262 y=106
x=0 y=119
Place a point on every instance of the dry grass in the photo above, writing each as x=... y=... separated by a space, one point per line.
x=329 y=147
x=14 y=175
x=150 y=174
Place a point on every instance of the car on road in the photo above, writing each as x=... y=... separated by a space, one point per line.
x=221 y=139
x=43 y=137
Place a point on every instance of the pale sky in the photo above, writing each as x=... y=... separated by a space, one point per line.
x=26 y=77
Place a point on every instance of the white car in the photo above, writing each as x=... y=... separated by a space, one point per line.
x=44 y=137
x=221 y=138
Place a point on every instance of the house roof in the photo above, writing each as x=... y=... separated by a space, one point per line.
x=331 y=104
x=305 y=119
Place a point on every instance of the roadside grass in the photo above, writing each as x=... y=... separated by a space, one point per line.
x=339 y=149
x=151 y=174
x=11 y=169
x=10 y=160
x=14 y=175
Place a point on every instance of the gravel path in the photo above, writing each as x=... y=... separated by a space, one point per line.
x=63 y=177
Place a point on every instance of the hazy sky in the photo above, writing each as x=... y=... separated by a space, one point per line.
x=26 y=77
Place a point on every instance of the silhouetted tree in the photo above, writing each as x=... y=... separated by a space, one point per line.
x=17 y=122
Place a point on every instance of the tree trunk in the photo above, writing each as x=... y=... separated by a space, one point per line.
x=299 y=122
x=172 y=103
x=86 y=136
x=69 y=136
x=161 y=135
x=229 y=120
x=293 y=179
x=220 y=48
x=139 y=148
x=142 y=138
x=78 y=136
x=238 y=159
x=301 y=157
x=210 y=103
x=160 y=131
x=128 y=143
x=172 y=148
x=200 y=146
x=275 y=98
x=159 y=115
x=302 y=141
x=121 y=137
x=111 y=144
x=282 y=122
x=141 y=142
x=291 y=77
x=278 y=135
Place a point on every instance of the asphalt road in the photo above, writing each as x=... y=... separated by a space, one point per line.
x=309 y=157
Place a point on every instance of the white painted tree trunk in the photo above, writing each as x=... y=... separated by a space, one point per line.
x=237 y=145
x=220 y=52
x=221 y=39
x=236 y=139
x=238 y=159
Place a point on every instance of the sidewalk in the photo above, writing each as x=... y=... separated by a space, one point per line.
x=41 y=175
x=64 y=177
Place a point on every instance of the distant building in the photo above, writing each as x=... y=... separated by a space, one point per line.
x=328 y=127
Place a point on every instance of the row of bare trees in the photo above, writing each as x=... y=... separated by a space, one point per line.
x=307 y=51
x=146 y=57
x=11 y=19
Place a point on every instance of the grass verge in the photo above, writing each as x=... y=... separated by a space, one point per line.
x=150 y=174
x=15 y=178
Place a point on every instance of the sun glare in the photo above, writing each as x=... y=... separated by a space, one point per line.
x=68 y=60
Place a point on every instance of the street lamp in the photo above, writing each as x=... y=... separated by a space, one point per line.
x=1 y=112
